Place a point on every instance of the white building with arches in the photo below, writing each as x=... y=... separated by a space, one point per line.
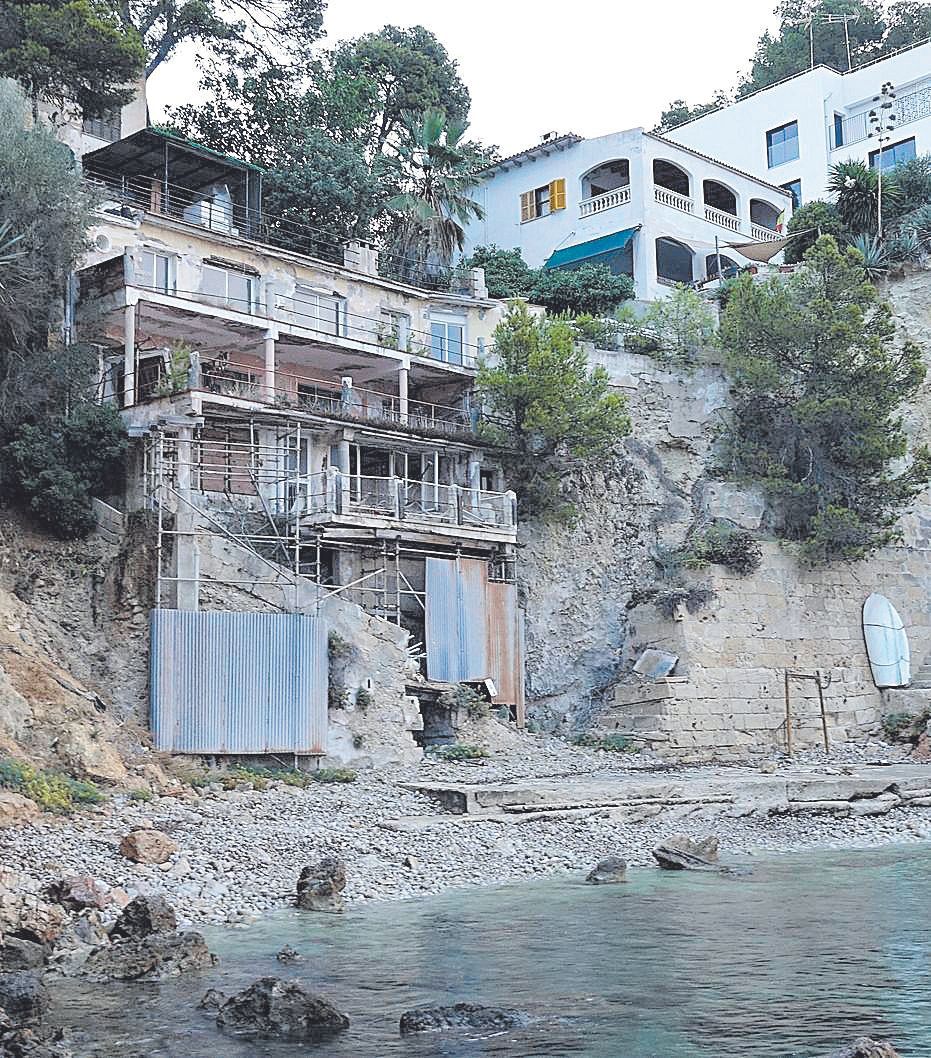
x=632 y=200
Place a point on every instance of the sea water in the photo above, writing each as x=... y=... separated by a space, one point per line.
x=793 y=960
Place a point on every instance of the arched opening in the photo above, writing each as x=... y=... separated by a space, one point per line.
x=673 y=261
x=764 y=214
x=608 y=176
x=670 y=176
x=729 y=266
x=720 y=197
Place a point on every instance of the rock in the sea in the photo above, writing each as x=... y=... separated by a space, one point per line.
x=152 y=958
x=79 y=891
x=16 y=810
x=865 y=1047
x=30 y=1043
x=461 y=1016
x=289 y=954
x=319 y=888
x=681 y=852
x=610 y=869
x=274 y=1008
x=147 y=846
x=144 y=916
x=23 y=997
x=19 y=954
x=211 y=1000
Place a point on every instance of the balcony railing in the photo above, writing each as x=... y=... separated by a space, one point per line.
x=672 y=198
x=856 y=127
x=335 y=493
x=757 y=231
x=719 y=216
x=599 y=203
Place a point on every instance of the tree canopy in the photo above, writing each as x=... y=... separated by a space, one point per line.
x=819 y=379
x=549 y=410
x=70 y=52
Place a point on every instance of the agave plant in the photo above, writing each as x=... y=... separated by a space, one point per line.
x=438 y=204
x=10 y=253
x=856 y=188
x=905 y=245
x=918 y=223
x=875 y=256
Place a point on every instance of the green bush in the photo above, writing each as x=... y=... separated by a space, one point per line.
x=814 y=218
x=333 y=775
x=459 y=751
x=507 y=274
x=467 y=699
x=673 y=329
x=607 y=743
x=364 y=699
x=590 y=288
x=52 y=791
x=724 y=545
x=141 y=793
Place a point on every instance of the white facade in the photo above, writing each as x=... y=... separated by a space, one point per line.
x=830 y=110
x=588 y=189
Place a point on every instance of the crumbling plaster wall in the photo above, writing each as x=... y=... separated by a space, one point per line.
x=581 y=586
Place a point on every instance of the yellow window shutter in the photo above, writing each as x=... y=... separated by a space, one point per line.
x=528 y=207
x=558 y=194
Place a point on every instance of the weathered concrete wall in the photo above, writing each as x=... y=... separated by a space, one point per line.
x=726 y=696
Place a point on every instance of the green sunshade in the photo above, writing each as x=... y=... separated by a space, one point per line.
x=593 y=248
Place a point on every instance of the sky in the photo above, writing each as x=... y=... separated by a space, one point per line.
x=537 y=67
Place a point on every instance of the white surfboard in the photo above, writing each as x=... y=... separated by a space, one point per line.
x=886 y=643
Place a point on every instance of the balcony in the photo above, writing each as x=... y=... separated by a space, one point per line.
x=338 y=495
x=723 y=219
x=599 y=203
x=855 y=128
x=665 y=197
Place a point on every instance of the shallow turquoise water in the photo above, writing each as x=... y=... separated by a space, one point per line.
x=792 y=961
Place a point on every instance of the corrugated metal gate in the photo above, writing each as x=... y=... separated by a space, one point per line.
x=473 y=628
x=225 y=682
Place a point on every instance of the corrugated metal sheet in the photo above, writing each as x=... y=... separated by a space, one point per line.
x=505 y=651
x=457 y=644
x=226 y=682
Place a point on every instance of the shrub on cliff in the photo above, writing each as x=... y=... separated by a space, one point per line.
x=819 y=380
x=546 y=407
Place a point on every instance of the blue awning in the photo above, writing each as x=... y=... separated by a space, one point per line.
x=582 y=251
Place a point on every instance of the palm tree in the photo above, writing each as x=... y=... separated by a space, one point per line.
x=855 y=184
x=441 y=170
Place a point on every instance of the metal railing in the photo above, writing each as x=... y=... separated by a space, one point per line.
x=336 y=493
x=856 y=127
x=225 y=217
x=599 y=203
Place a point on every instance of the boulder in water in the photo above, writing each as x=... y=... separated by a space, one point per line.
x=277 y=1009
x=320 y=888
x=865 y=1047
x=289 y=954
x=610 y=869
x=461 y=1016
x=23 y=997
x=152 y=958
x=144 y=916
x=680 y=852
x=211 y=1000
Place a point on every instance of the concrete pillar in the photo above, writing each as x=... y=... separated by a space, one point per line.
x=344 y=479
x=403 y=380
x=271 y=336
x=129 y=355
x=187 y=556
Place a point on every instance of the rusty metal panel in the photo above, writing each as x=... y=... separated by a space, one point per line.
x=504 y=643
x=457 y=642
x=224 y=682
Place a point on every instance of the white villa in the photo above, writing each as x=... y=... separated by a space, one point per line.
x=635 y=201
x=792 y=132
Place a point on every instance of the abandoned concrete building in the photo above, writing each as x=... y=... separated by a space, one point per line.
x=304 y=434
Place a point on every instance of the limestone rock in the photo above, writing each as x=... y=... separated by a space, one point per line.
x=79 y=891
x=610 y=869
x=19 y=954
x=91 y=756
x=152 y=958
x=23 y=997
x=319 y=888
x=24 y=912
x=16 y=810
x=274 y=1008
x=147 y=846
x=461 y=1016
x=31 y=1043
x=680 y=852
x=144 y=916
x=211 y=1000
x=864 y=1047
x=289 y=954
